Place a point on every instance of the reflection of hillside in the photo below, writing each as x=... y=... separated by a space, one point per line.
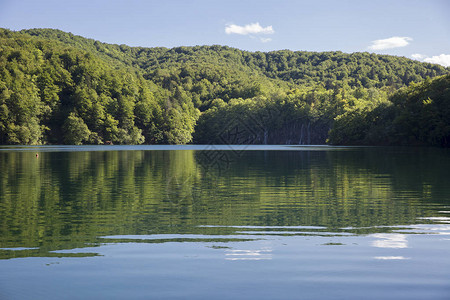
x=64 y=200
x=356 y=187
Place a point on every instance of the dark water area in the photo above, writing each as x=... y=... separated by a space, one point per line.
x=221 y=222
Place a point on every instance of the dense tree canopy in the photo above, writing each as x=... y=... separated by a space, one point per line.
x=51 y=93
x=416 y=115
x=56 y=87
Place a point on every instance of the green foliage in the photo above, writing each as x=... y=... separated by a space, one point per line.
x=56 y=87
x=205 y=73
x=75 y=130
x=296 y=117
x=416 y=115
x=52 y=93
x=423 y=112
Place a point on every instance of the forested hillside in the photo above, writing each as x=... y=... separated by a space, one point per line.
x=51 y=93
x=416 y=115
x=56 y=87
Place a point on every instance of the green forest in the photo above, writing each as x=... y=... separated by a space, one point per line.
x=58 y=88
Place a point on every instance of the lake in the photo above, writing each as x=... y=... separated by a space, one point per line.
x=224 y=222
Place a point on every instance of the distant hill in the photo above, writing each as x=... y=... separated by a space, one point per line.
x=209 y=72
x=56 y=87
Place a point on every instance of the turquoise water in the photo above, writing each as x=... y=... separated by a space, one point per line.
x=224 y=222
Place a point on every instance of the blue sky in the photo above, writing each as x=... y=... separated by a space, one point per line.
x=411 y=28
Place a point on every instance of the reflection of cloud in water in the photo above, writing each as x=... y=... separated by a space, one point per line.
x=444 y=220
x=390 y=240
x=391 y=257
x=318 y=233
x=248 y=254
x=263 y=227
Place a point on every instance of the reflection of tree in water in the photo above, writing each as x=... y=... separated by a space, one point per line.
x=64 y=200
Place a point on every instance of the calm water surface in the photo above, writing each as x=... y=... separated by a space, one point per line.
x=214 y=222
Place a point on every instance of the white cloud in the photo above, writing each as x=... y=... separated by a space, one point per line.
x=393 y=42
x=443 y=59
x=265 y=40
x=253 y=28
x=418 y=56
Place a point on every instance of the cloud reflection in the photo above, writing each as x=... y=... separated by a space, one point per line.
x=391 y=257
x=444 y=220
x=390 y=240
x=248 y=254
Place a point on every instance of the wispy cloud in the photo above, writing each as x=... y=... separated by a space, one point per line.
x=253 y=28
x=265 y=40
x=443 y=59
x=418 y=56
x=393 y=42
